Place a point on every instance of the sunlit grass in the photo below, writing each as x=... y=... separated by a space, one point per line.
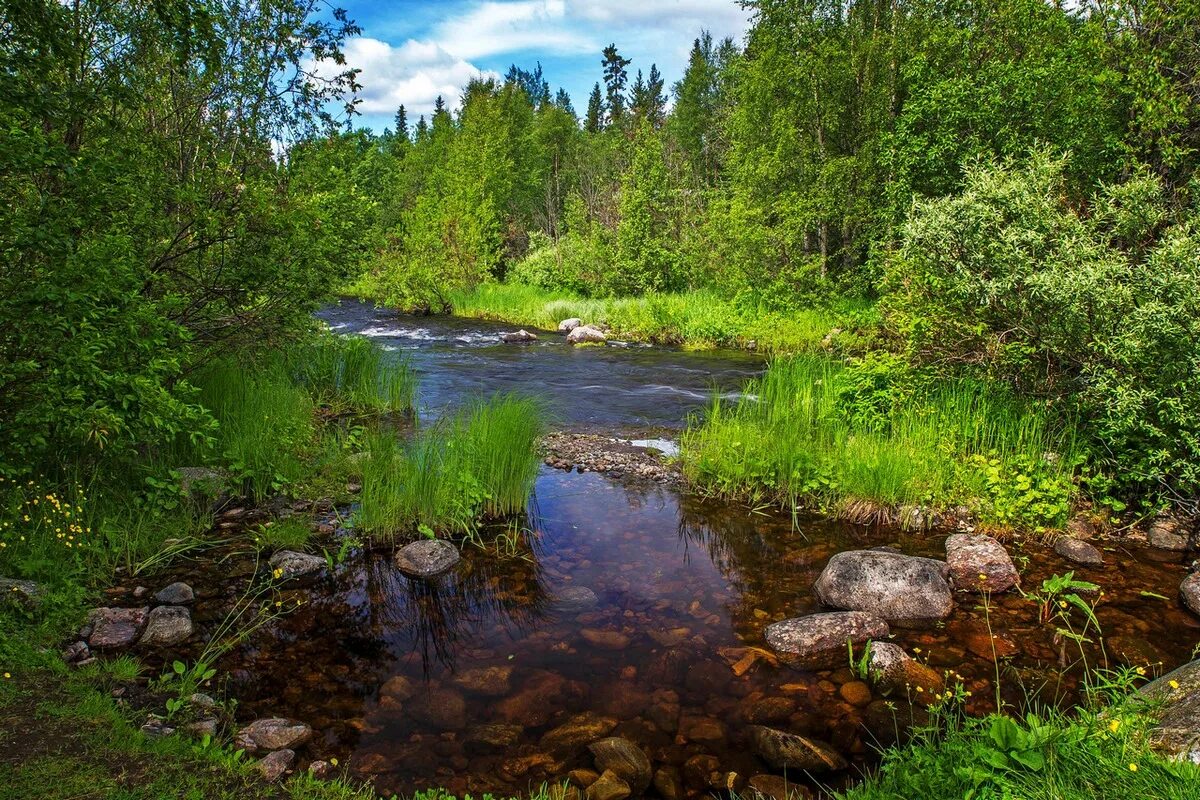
x=353 y=373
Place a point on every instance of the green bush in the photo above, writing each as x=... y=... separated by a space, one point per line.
x=1097 y=313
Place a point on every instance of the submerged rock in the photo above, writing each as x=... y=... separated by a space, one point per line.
x=487 y=681
x=113 y=628
x=426 y=558
x=819 y=641
x=790 y=751
x=167 y=626
x=290 y=564
x=1189 y=590
x=575 y=598
x=586 y=334
x=608 y=786
x=979 y=564
x=579 y=730
x=775 y=787
x=624 y=759
x=519 y=337
x=888 y=585
x=1078 y=551
x=494 y=736
x=273 y=733
x=175 y=594
x=568 y=325
x=440 y=708
x=1175 y=699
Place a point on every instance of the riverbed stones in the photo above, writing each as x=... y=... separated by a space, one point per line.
x=979 y=564
x=568 y=325
x=573 y=599
x=519 y=337
x=608 y=786
x=1189 y=590
x=1168 y=533
x=426 y=558
x=114 y=628
x=624 y=759
x=274 y=766
x=776 y=787
x=818 y=641
x=289 y=564
x=19 y=593
x=486 y=681
x=791 y=751
x=586 y=334
x=1175 y=704
x=605 y=639
x=439 y=708
x=578 y=731
x=887 y=585
x=1078 y=551
x=167 y=626
x=273 y=733
x=175 y=594
x=894 y=671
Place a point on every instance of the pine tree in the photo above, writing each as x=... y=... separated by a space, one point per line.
x=422 y=129
x=401 y=124
x=563 y=100
x=615 y=78
x=594 y=121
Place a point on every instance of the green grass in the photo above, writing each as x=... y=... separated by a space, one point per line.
x=793 y=441
x=477 y=465
x=351 y=373
x=290 y=533
x=695 y=319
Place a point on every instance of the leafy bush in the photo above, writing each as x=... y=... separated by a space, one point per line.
x=1099 y=313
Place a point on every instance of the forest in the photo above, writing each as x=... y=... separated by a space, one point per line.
x=959 y=241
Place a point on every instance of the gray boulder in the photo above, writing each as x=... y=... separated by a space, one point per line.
x=426 y=558
x=519 y=337
x=790 y=751
x=176 y=594
x=167 y=626
x=568 y=325
x=289 y=564
x=819 y=641
x=979 y=564
x=887 y=585
x=575 y=598
x=275 y=765
x=273 y=733
x=1174 y=701
x=1189 y=590
x=1078 y=551
x=586 y=334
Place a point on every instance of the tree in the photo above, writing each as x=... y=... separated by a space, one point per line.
x=562 y=99
x=615 y=78
x=401 y=132
x=594 y=121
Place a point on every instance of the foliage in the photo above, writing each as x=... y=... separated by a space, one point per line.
x=351 y=373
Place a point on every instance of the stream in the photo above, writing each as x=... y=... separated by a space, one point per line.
x=494 y=678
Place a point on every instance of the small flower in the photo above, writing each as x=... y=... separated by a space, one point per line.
x=7 y=675
x=1114 y=725
x=1141 y=670
x=1133 y=767
x=982 y=577
x=333 y=761
x=1173 y=684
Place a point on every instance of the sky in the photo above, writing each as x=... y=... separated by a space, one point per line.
x=410 y=52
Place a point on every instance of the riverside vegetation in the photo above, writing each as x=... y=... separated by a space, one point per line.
x=968 y=235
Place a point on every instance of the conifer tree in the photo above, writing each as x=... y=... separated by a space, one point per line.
x=401 y=124
x=615 y=78
x=594 y=121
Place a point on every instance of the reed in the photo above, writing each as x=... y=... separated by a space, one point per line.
x=351 y=373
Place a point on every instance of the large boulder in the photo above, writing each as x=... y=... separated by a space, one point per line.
x=1189 y=591
x=790 y=751
x=288 y=564
x=1175 y=703
x=1078 y=551
x=586 y=334
x=886 y=585
x=820 y=641
x=426 y=558
x=568 y=325
x=979 y=564
x=113 y=628
x=167 y=626
x=273 y=733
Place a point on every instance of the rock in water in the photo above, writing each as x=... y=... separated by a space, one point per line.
x=487 y=681
x=167 y=626
x=440 y=708
x=1078 y=551
x=1189 y=590
x=790 y=751
x=426 y=558
x=579 y=730
x=1167 y=533
x=979 y=564
x=608 y=787
x=586 y=334
x=519 y=337
x=290 y=564
x=819 y=641
x=568 y=325
x=894 y=671
x=887 y=585
x=575 y=598
x=624 y=759
x=115 y=627
x=274 y=765
x=1175 y=704
x=272 y=733
x=176 y=594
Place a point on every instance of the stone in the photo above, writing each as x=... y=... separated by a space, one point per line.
x=768 y=710
x=979 y=564
x=519 y=337
x=605 y=640
x=273 y=733
x=20 y=594
x=1189 y=590
x=203 y=485
x=608 y=786
x=790 y=751
x=275 y=765
x=1078 y=551
x=699 y=770
x=202 y=701
x=887 y=585
x=578 y=731
x=573 y=599
x=289 y=564
x=426 y=558
x=1174 y=703
x=206 y=726
x=1134 y=651
x=775 y=787
x=75 y=652
x=894 y=671
x=624 y=759
x=701 y=729
x=175 y=594
x=486 y=681
x=560 y=791
x=586 y=334
x=1167 y=533
x=440 y=708
x=583 y=777
x=155 y=727
x=668 y=782
x=320 y=769
x=114 y=628
x=568 y=325
x=398 y=688
x=856 y=693
x=494 y=736
x=167 y=626
x=819 y=641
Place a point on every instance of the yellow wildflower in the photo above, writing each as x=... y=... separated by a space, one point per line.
x=1114 y=725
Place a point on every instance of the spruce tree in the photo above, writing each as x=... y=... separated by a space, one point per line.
x=562 y=99
x=615 y=78
x=594 y=121
x=402 y=124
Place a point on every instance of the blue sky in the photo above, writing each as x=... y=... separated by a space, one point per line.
x=409 y=52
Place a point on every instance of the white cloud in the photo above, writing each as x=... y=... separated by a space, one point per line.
x=493 y=28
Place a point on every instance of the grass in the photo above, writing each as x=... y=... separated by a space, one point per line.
x=696 y=320
x=352 y=373
x=793 y=440
x=290 y=533
x=476 y=465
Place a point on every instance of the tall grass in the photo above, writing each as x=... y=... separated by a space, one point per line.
x=479 y=464
x=695 y=319
x=351 y=372
x=790 y=441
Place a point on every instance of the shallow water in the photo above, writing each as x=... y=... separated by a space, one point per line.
x=456 y=683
